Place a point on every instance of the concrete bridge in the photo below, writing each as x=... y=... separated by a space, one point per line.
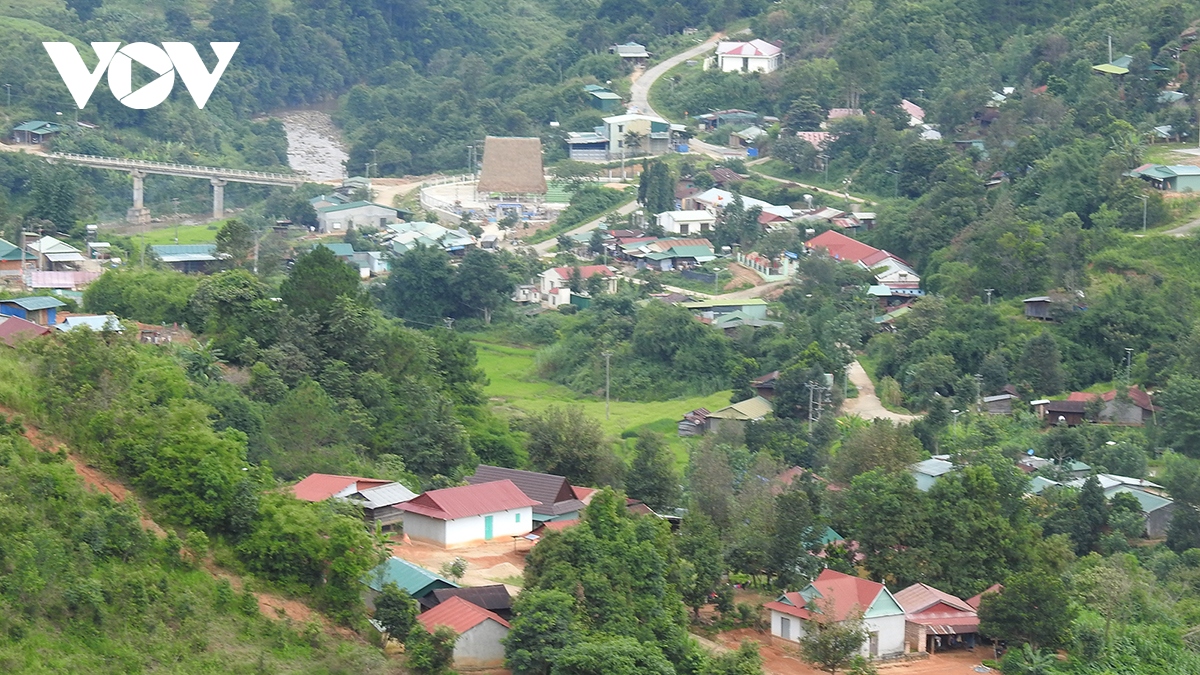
x=139 y=168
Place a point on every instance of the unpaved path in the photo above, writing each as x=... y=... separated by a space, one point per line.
x=867 y=405
x=639 y=91
x=744 y=294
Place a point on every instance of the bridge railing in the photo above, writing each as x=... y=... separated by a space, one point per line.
x=216 y=172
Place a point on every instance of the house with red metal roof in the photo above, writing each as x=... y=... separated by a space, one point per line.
x=836 y=597
x=480 y=632
x=469 y=514
x=14 y=329
x=1135 y=410
x=374 y=495
x=935 y=620
x=321 y=486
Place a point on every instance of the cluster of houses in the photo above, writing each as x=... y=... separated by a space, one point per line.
x=496 y=504
x=917 y=619
x=896 y=285
x=1157 y=507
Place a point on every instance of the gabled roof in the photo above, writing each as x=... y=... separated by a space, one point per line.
x=973 y=601
x=493 y=598
x=318 y=487
x=342 y=250
x=13 y=328
x=39 y=127
x=95 y=322
x=922 y=597
x=353 y=205
x=9 y=251
x=841 y=247
x=458 y=615
x=849 y=593
x=1137 y=396
x=553 y=492
x=750 y=409
x=760 y=48
x=48 y=244
x=468 y=500
x=412 y=579
x=62 y=279
x=381 y=496
x=34 y=302
x=1065 y=407
x=512 y=165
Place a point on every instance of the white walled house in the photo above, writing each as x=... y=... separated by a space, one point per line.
x=470 y=514
x=687 y=222
x=345 y=217
x=836 y=596
x=755 y=56
x=480 y=632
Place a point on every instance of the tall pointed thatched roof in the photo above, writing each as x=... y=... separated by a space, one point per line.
x=512 y=165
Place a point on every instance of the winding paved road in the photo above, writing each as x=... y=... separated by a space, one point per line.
x=639 y=91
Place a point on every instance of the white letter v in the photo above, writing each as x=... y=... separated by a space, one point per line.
x=199 y=82
x=74 y=73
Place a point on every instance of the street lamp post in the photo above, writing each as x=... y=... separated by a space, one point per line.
x=989 y=292
x=1145 y=199
x=607 y=356
x=956 y=412
x=8 y=90
x=717 y=281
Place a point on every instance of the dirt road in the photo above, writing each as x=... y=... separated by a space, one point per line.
x=867 y=405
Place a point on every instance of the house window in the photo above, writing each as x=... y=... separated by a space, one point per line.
x=518 y=517
x=620 y=128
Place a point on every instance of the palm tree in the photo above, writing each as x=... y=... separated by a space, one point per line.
x=202 y=362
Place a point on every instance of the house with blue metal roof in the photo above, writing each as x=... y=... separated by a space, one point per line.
x=187 y=258
x=40 y=309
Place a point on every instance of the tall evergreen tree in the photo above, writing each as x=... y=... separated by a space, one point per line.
x=1040 y=367
x=1093 y=516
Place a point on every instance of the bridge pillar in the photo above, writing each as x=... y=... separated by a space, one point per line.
x=139 y=214
x=218 y=197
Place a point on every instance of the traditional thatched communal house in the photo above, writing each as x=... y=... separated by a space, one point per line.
x=512 y=168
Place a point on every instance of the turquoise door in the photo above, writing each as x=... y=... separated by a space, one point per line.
x=487 y=527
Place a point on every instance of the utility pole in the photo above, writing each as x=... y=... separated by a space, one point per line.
x=816 y=396
x=607 y=380
x=989 y=292
x=8 y=90
x=256 y=233
x=717 y=281
x=175 y=204
x=1145 y=199
x=1128 y=363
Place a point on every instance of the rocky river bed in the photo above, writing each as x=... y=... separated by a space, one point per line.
x=315 y=146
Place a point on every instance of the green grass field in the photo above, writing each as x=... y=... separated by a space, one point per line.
x=513 y=389
x=188 y=234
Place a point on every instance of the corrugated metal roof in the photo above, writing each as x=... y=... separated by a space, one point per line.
x=922 y=597
x=458 y=615
x=554 y=492
x=933 y=467
x=469 y=500
x=384 y=495
x=13 y=328
x=843 y=593
x=9 y=251
x=352 y=205
x=750 y=409
x=1149 y=502
x=321 y=486
x=494 y=598
x=35 y=302
x=412 y=579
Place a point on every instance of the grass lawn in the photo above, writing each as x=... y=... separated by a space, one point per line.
x=513 y=389
x=188 y=234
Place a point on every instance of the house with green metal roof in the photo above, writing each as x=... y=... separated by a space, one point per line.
x=35 y=132
x=187 y=258
x=10 y=259
x=40 y=309
x=1175 y=178
x=411 y=578
x=342 y=218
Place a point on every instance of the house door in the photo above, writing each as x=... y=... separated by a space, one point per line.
x=487 y=527
x=875 y=643
x=785 y=628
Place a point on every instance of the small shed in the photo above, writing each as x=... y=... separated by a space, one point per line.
x=481 y=633
x=39 y=309
x=35 y=132
x=1038 y=308
x=741 y=413
x=187 y=258
x=927 y=472
x=1000 y=404
x=693 y=423
x=1069 y=413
